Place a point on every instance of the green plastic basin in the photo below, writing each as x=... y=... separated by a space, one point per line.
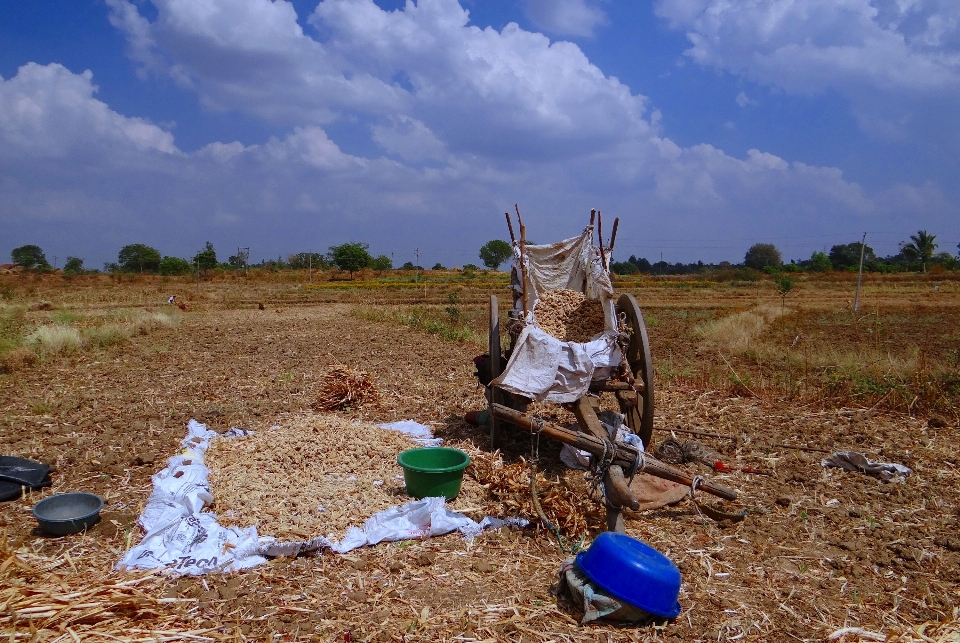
x=433 y=471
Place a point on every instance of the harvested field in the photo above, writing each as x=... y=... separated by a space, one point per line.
x=821 y=552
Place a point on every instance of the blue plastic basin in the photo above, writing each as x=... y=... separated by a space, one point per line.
x=633 y=571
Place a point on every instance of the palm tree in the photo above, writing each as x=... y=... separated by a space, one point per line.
x=920 y=248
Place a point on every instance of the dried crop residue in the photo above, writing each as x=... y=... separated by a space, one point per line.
x=568 y=315
x=311 y=476
x=342 y=387
x=567 y=508
x=799 y=568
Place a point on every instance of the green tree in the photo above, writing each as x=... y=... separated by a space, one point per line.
x=819 y=262
x=240 y=260
x=762 y=255
x=174 y=266
x=946 y=260
x=624 y=268
x=920 y=248
x=137 y=257
x=304 y=260
x=784 y=286
x=438 y=266
x=382 y=263
x=350 y=256
x=206 y=259
x=495 y=252
x=846 y=256
x=74 y=266
x=30 y=257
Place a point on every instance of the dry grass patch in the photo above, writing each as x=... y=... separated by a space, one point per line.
x=50 y=340
x=739 y=332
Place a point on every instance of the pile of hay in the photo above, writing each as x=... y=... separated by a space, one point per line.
x=568 y=315
x=342 y=388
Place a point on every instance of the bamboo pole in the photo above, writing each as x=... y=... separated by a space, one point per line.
x=613 y=237
x=523 y=266
x=625 y=457
x=513 y=239
x=603 y=256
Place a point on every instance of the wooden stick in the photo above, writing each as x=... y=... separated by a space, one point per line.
x=519 y=218
x=513 y=239
x=593 y=215
x=616 y=385
x=523 y=267
x=615 y=486
x=613 y=237
x=600 y=231
x=625 y=457
x=603 y=255
x=700 y=433
x=781 y=445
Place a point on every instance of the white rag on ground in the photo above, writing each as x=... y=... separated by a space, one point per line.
x=183 y=538
x=542 y=367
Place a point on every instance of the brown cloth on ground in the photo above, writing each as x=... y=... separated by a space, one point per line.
x=654 y=492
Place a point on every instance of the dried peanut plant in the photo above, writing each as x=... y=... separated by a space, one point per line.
x=568 y=315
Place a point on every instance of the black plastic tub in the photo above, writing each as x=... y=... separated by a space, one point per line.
x=68 y=513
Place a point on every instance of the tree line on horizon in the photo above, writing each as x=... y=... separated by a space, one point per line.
x=141 y=258
x=917 y=254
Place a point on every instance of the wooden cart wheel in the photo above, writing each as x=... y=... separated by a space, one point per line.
x=641 y=364
x=496 y=367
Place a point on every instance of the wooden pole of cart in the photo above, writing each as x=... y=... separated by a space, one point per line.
x=625 y=456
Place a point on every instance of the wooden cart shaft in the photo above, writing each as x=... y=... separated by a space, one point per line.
x=624 y=458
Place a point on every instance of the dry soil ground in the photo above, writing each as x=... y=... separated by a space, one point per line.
x=820 y=550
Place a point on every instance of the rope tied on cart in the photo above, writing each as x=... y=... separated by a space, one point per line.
x=639 y=464
x=565 y=545
x=600 y=467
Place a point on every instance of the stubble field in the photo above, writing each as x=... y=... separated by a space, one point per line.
x=819 y=551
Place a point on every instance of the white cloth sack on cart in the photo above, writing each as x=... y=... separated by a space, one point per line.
x=541 y=366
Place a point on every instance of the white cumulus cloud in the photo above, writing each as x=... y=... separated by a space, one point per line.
x=465 y=122
x=47 y=111
x=812 y=45
x=565 y=17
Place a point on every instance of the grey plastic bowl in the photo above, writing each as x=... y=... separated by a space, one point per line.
x=68 y=513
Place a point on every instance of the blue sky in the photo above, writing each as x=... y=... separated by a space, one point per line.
x=704 y=125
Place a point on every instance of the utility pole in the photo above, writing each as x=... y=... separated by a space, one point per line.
x=856 y=298
x=54 y=262
x=197 y=262
x=416 y=266
x=309 y=265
